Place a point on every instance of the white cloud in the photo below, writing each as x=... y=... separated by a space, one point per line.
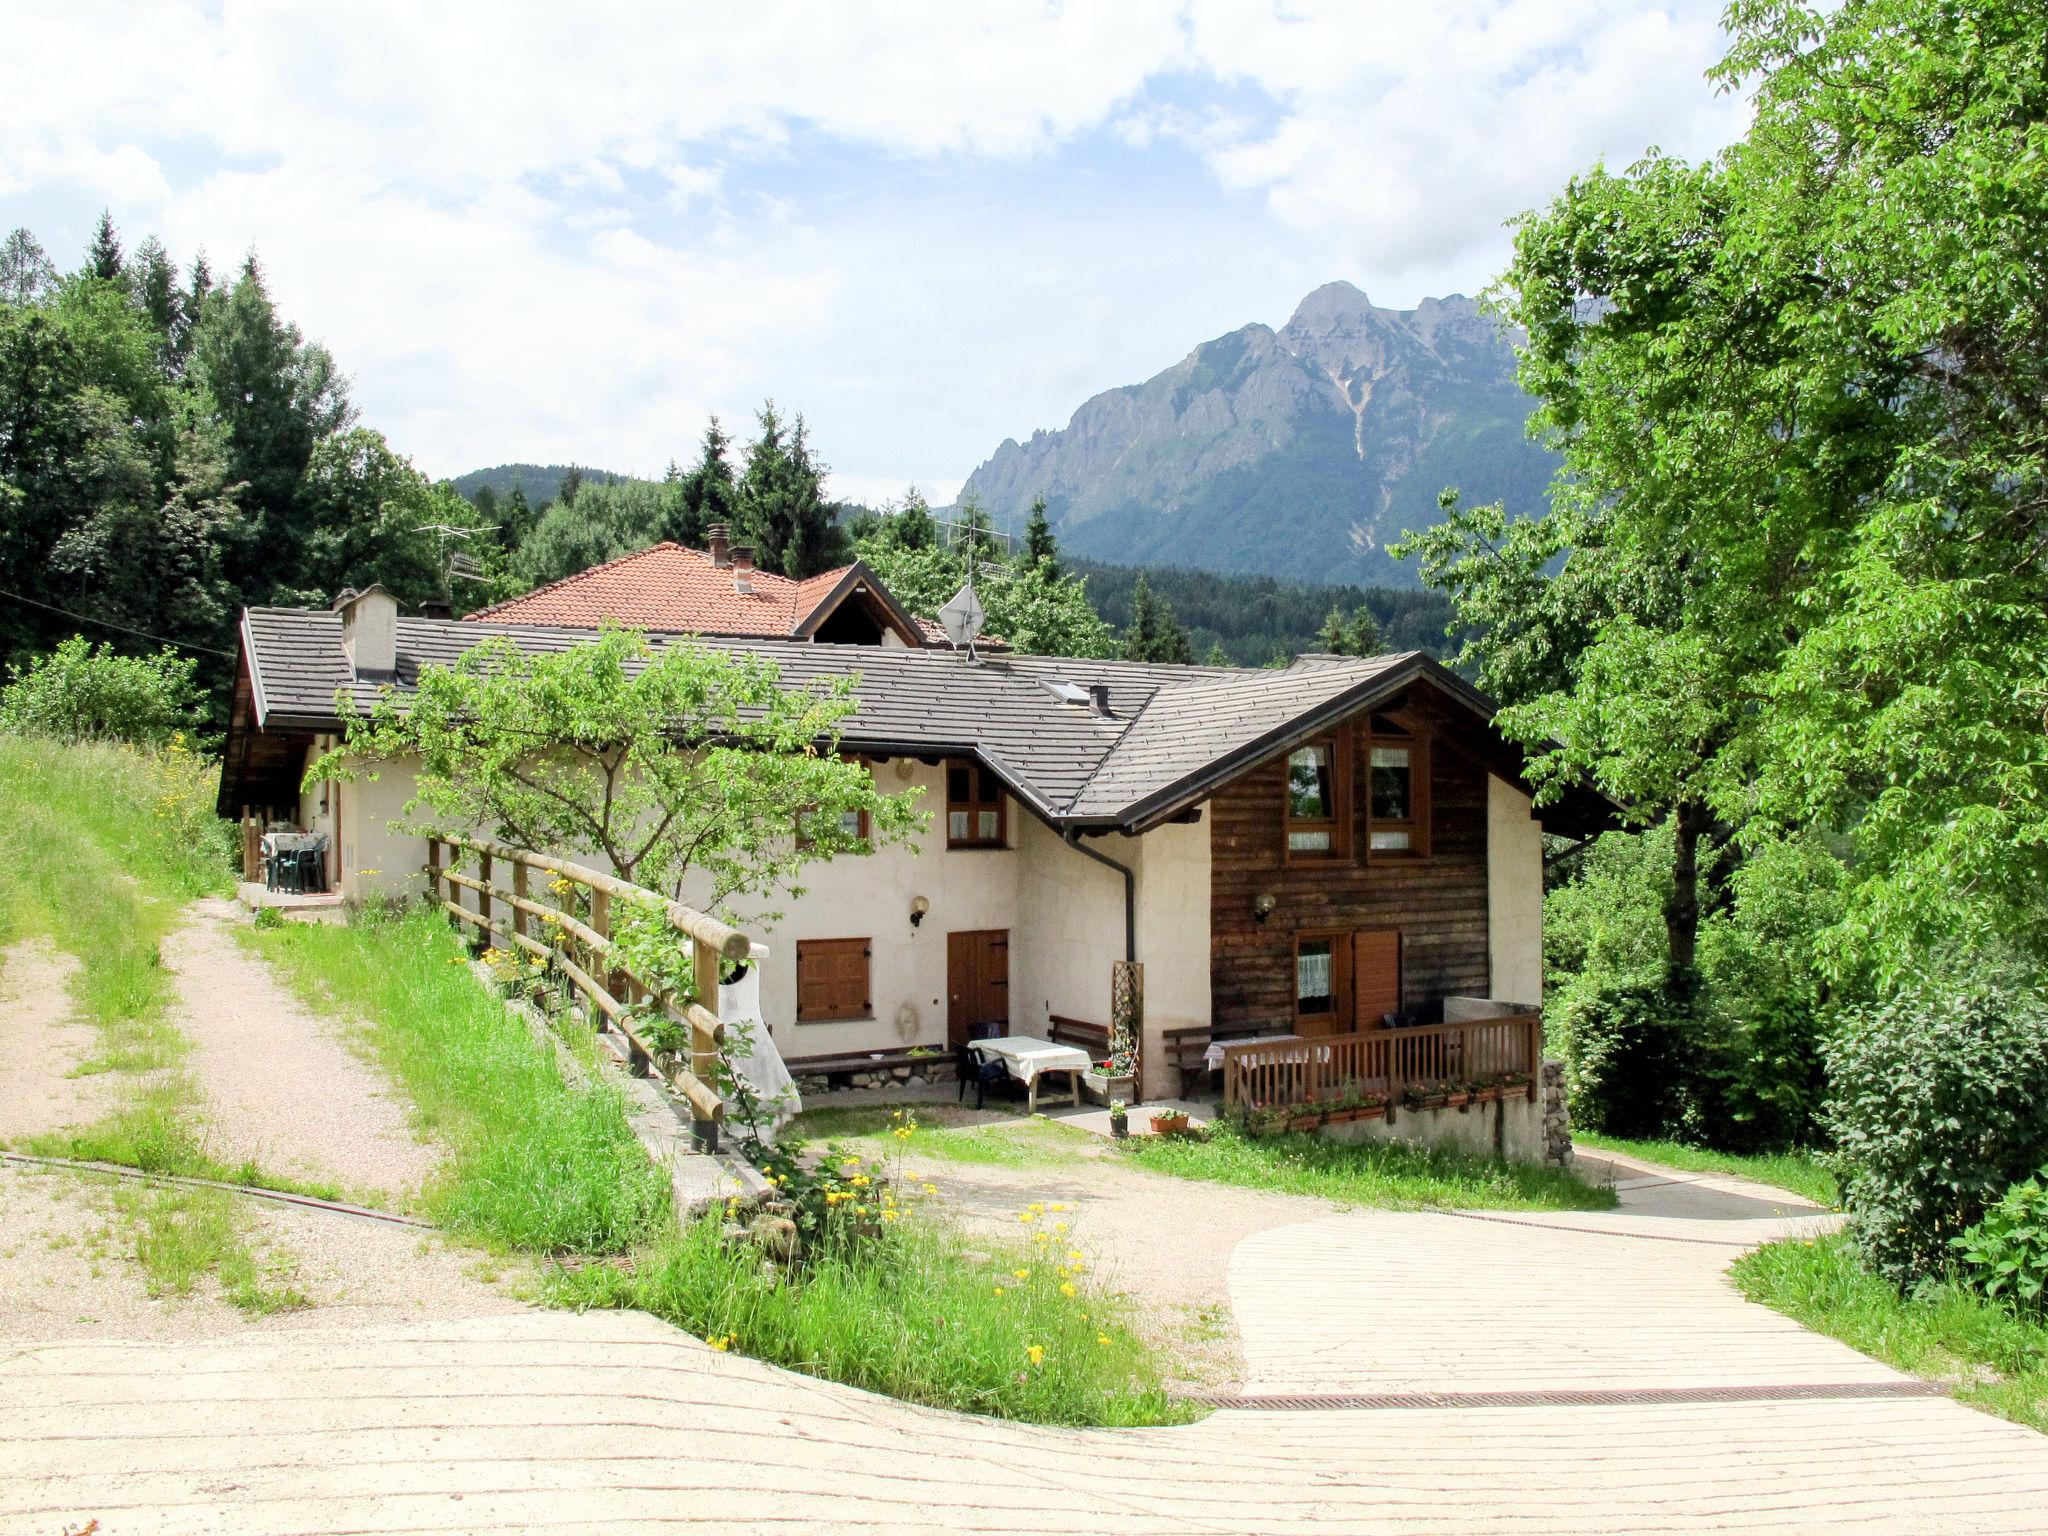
x=554 y=232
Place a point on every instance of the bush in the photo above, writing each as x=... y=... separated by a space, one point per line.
x=83 y=692
x=1936 y=1111
x=1628 y=1055
x=2006 y=1254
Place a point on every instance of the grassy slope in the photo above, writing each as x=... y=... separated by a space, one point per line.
x=1799 y=1171
x=535 y=1164
x=1986 y=1355
x=100 y=848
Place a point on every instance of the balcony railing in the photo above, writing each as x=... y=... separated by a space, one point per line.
x=1389 y=1064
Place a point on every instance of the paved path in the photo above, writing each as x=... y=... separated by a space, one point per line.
x=615 y=1423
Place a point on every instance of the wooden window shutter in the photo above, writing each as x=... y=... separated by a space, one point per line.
x=1376 y=974
x=832 y=980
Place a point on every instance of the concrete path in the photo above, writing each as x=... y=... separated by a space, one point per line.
x=615 y=1423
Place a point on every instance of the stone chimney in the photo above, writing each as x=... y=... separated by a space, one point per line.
x=437 y=608
x=1098 y=699
x=742 y=569
x=369 y=631
x=716 y=536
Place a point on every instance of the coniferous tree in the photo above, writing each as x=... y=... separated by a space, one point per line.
x=26 y=271
x=709 y=492
x=1335 y=635
x=911 y=525
x=1040 y=548
x=153 y=279
x=571 y=483
x=1365 y=633
x=1154 y=633
x=103 y=255
x=782 y=507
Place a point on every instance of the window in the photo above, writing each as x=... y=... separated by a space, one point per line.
x=1397 y=790
x=1316 y=802
x=1315 y=989
x=832 y=980
x=852 y=824
x=974 y=807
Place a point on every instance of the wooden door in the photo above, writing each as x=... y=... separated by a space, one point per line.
x=1322 y=985
x=1376 y=975
x=977 y=980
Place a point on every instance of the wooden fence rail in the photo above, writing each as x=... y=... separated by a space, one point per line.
x=580 y=947
x=1387 y=1062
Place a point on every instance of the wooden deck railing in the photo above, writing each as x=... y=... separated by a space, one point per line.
x=1386 y=1062
x=574 y=935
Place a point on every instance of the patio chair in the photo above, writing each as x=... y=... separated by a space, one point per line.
x=970 y=1068
x=993 y=1030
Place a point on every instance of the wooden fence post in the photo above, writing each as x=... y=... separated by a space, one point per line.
x=600 y=923
x=519 y=886
x=704 y=1053
x=483 y=894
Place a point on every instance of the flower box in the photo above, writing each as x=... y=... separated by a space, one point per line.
x=1169 y=1123
x=1103 y=1089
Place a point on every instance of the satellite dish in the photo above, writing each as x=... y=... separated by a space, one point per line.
x=962 y=617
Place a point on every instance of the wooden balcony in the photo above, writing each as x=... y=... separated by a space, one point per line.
x=1388 y=1064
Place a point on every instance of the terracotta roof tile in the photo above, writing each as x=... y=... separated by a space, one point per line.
x=668 y=587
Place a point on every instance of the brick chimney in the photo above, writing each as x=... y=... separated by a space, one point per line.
x=742 y=569
x=369 y=631
x=716 y=536
x=1098 y=700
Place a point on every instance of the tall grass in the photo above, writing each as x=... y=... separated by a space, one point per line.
x=915 y=1312
x=535 y=1163
x=1365 y=1173
x=1985 y=1354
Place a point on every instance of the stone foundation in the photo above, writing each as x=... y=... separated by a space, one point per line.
x=1509 y=1126
x=934 y=1069
x=1557 y=1118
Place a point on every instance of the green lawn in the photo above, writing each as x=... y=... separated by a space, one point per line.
x=1033 y=1143
x=1986 y=1355
x=1365 y=1173
x=1798 y=1171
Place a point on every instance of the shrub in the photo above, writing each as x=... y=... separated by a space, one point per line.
x=2006 y=1254
x=83 y=692
x=1628 y=1055
x=1936 y=1111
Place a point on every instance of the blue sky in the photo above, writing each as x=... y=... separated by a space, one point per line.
x=551 y=233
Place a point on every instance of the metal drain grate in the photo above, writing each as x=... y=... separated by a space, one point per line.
x=1567 y=1397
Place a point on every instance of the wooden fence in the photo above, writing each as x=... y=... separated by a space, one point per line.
x=1430 y=1059
x=573 y=934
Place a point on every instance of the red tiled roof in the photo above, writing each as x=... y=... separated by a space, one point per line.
x=669 y=587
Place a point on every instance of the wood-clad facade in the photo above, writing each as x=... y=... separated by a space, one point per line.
x=1436 y=900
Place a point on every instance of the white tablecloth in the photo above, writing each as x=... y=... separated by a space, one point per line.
x=1026 y=1057
x=293 y=842
x=1213 y=1057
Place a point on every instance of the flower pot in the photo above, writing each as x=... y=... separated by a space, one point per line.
x=1119 y=1126
x=1372 y=1112
x=1171 y=1124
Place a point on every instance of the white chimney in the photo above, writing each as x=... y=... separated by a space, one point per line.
x=742 y=569
x=369 y=631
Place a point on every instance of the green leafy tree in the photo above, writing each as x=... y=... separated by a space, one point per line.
x=86 y=692
x=682 y=764
x=1154 y=634
x=911 y=525
x=26 y=272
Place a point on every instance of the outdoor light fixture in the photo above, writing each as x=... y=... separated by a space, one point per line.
x=1263 y=905
x=918 y=907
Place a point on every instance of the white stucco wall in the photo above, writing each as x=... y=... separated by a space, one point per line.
x=1514 y=894
x=1071 y=913
x=1174 y=925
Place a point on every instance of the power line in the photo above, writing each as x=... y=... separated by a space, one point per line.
x=126 y=629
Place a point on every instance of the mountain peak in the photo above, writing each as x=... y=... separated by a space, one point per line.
x=1332 y=304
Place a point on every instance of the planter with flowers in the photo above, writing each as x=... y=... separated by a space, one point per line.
x=1170 y=1122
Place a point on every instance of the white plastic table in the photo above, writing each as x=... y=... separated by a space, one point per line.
x=1029 y=1058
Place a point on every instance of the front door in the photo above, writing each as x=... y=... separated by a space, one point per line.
x=977 y=981
x=1345 y=981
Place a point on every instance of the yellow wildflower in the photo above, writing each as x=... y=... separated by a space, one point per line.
x=1036 y=1352
x=931 y=1189
x=1102 y=1338
x=999 y=1290
x=1059 y=1226
x=1021 y=1274
x=1068 y=1289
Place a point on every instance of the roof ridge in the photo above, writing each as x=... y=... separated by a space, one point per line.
x=563 y=581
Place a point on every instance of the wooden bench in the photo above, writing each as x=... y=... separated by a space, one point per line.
x=1184 y=1050
x=1079 y=1033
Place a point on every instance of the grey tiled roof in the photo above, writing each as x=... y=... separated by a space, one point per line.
x=1173 y=730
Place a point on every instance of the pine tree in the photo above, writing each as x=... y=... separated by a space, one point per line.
x=571 y=483
x=26 y=271
x=1217 y=656
x=911 y=525
x=1335 y=635
x=781 y=504
x=1041 y=549
x=974 y=531
x=103 y=255
x=153 y=279
x=709 y=492
x=1154 y=634
x=1365 y=633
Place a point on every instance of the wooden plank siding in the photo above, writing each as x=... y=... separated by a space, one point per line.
x=1438 y=903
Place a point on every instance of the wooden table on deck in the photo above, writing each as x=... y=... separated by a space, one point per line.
x=1028 y=1058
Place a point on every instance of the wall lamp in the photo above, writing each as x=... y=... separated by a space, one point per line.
x=1263 y=905
x=918 y=907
